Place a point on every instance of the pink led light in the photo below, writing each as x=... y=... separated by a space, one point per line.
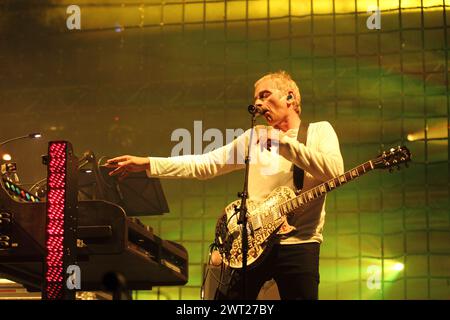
x=54 y=261
x=57 y=180
x=54 y=242
x=56 y=227
x=56 y=211
x=54 y=291
x=56 y=196
x=55 y=220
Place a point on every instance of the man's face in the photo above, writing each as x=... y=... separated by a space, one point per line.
x=271 y=100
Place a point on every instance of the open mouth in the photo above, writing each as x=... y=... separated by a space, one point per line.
x=267 y=116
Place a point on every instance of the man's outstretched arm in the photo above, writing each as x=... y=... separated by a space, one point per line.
x=217 y=162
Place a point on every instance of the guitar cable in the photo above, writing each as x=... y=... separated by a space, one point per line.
x=231 y=217
x=213 y=246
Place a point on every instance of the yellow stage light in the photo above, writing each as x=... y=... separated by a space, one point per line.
x=398 y=266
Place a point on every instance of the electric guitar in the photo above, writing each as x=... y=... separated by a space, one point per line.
x=268 y=218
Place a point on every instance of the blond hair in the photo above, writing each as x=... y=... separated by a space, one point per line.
x=283 y=82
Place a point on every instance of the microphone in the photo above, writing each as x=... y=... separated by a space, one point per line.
x=36 y=135
x=258 y=111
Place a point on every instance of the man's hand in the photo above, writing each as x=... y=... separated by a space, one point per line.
x=125 y=164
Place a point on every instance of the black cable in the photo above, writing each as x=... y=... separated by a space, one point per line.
x=213 y=246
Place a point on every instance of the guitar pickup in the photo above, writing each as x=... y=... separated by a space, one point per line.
x=255 y=220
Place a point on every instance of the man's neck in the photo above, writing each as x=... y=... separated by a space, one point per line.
x=292 y=122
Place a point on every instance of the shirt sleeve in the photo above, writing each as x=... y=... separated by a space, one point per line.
x=217 y=162
x=323 y=162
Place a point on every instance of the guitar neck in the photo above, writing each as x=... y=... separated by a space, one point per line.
x=320 y=190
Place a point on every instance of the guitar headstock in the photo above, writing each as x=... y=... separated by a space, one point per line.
x=394 y=157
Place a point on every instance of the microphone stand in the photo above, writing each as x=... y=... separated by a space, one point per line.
x=242 y=209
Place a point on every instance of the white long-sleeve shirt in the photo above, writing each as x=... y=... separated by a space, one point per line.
x=320 y=159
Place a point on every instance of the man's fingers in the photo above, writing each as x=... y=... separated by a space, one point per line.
x=118 y=162
x=125 y=163
x=111 y=165
x=117 y=159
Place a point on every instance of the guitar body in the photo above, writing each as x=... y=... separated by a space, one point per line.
x=265 y=222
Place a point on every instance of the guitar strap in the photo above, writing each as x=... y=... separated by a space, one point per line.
x=299 y=174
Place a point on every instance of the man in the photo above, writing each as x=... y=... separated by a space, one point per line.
x=294 y=261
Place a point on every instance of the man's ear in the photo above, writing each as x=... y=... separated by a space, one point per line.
x=290 y=97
